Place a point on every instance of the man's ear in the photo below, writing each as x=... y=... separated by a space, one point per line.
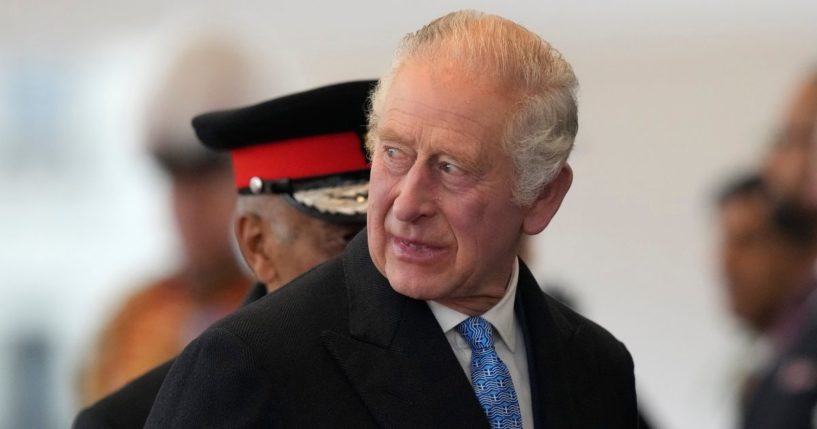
x=252 y=233
x=548 y=203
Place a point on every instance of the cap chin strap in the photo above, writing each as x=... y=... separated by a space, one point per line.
x=257 y=185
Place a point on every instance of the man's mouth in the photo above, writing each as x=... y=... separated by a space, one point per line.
x=416 y=250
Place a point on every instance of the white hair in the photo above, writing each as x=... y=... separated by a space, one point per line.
x=268 y=208
x=540 y=131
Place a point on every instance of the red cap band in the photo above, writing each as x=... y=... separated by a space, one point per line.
x=299 y=158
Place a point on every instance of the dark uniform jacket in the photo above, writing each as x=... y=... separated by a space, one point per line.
x=339 y=348
x=129 y=406
x=786 y=395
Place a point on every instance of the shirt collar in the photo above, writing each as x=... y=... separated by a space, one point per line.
x=500 y=315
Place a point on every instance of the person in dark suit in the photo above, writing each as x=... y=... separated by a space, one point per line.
x=429 y=318
x=280 y=234
x=768 y=251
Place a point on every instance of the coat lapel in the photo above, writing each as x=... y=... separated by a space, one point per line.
x=396 y=356
x=547 y=335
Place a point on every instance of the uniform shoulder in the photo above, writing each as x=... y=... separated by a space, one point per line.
x=127 y=407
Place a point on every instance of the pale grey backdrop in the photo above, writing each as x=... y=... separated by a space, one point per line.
x=675 y=96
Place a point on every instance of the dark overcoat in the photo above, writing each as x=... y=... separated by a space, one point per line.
x=339 y=348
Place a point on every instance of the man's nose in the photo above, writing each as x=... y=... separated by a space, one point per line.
x=416 y=197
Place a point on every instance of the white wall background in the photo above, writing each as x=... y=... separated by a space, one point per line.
x=675 y=96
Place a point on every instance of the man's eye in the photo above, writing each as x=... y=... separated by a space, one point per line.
x=449 y=168
x=391 y=152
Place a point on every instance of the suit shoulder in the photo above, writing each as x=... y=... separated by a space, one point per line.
x=573 y=329
x=315 y=299
x=584 y=334
x=600 y=366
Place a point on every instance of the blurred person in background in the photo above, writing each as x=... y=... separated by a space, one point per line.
x=768 y=249
x=789 y=167
x=302 y=175
x=156 y=322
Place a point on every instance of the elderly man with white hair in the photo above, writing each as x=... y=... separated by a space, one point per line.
x=429 y=318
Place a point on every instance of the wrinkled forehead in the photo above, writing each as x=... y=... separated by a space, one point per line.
x=480 y=68
x=433 y=102
x=407 y=118
x=450 y=91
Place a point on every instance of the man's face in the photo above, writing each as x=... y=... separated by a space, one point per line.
x=441 y=222
x=758 y=265
x=300 y=242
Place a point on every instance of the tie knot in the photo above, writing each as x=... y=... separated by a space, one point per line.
x=477 y=333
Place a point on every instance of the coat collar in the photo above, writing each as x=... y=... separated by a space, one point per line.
x=401 y=364
x=548 y=335
x=370 y=296
x=396 y=356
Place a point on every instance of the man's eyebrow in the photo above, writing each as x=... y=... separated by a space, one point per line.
x=390 y=134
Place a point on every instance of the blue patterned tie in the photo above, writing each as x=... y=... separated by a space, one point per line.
x=489 y=375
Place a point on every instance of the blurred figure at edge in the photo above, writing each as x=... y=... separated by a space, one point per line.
x=156 y=322
x=767 y=252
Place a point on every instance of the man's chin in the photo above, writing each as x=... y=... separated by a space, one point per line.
x=425 y=291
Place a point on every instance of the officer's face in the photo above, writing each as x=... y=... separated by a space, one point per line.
x=298 y=242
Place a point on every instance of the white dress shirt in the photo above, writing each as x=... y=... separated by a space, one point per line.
x=508 y=341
